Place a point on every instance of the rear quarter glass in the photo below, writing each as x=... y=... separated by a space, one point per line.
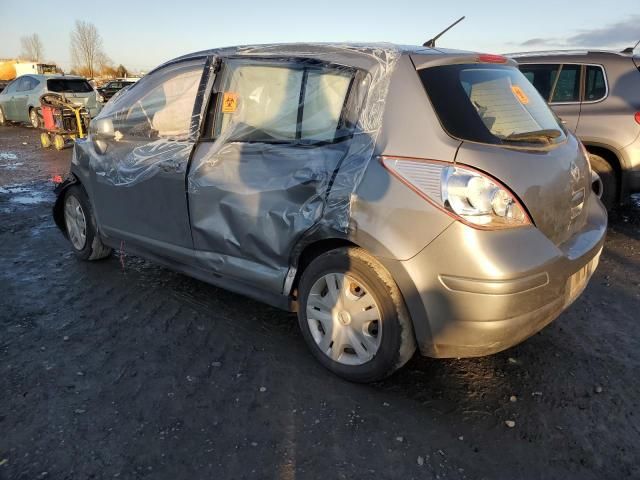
x=487 y=103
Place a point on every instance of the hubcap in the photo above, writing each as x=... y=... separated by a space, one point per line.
x=34 y=118
x=76 y=222
x=1 y=116
x=344 y=319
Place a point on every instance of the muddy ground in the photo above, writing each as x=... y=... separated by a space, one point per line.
x=139 y=372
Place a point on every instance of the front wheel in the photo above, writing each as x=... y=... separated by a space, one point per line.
x=34 y=118
x=80 y=226
x=353 y=317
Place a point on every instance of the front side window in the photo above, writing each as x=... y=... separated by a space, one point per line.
x=567 y=87
x=281 y=102
x=161 y=106
x=490 y=104
x=12 y=87
x=595 y=85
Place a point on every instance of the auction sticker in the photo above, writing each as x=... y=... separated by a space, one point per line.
x=520 y=95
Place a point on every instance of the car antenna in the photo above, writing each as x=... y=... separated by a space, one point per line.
x=631 y=49
x=432 y=42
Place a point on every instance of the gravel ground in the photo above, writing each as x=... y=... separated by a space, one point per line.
x=123 y=369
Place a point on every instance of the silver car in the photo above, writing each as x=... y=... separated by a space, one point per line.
x=597 y=96
x=394 y=197
x=20 y=100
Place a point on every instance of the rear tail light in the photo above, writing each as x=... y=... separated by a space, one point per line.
x=491 y=58
x=464 y=193
x=637 y=117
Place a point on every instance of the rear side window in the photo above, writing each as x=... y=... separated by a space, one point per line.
x=567 y=87
x=282 y=103
x=543 y=77
x=68 y=85
x=489 y=104
x=595 y=84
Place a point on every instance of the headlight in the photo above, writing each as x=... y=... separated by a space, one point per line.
x=464 y=193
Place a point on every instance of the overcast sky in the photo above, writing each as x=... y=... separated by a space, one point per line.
x=141 y=34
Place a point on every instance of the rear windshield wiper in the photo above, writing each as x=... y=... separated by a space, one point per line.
x=536 y=135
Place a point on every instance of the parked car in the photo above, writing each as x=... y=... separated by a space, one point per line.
x=20 y=100
x=393 y=196
x=597 y=95
x=107 y=91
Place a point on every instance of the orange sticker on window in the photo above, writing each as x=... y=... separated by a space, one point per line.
x=520 y=95
x=229 y=102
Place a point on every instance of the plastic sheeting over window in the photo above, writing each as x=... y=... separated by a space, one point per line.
x=285 y=159
x=152 y=124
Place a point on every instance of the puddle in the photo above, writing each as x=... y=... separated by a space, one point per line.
x=23 y=195
x=8 y=156
x=11 y=166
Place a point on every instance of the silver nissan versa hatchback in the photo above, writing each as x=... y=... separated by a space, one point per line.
x=395 y=197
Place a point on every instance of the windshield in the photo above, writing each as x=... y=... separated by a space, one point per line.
x=68 y=85
x=490 y=104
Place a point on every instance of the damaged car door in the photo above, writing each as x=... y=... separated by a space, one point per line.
x=275 y=135
x=142 y=143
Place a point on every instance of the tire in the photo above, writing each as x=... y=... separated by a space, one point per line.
x=3 y=120
x=45 y=140
x=34 y=118
x=58 y=142
x=609 y=179
x=90 y=247
x=388 y=342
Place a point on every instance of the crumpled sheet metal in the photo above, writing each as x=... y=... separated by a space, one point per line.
x=212 y=170
x=254 y=200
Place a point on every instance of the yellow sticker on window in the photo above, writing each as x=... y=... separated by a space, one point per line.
x=520 y=95
x=229 y=102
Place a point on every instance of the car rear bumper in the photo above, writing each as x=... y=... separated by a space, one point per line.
x=473 y=292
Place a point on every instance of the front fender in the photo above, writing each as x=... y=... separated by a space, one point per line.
x=59 y=190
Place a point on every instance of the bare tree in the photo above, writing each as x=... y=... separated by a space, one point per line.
x=32 y=48
x=86 y=48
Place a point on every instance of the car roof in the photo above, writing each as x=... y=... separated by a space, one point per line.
x=572 y=56
x=53 y=77
x=346 y=53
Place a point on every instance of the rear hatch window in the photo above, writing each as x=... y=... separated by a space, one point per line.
x=490 y=104
x=68 y=85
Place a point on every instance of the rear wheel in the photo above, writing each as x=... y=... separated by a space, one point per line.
x=81 y=227
x=45 y=140
x=609 y=180
x=353 y=317
x=34 y=118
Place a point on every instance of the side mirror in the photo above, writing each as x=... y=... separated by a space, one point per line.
x=102 y=132
x=102 y=129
